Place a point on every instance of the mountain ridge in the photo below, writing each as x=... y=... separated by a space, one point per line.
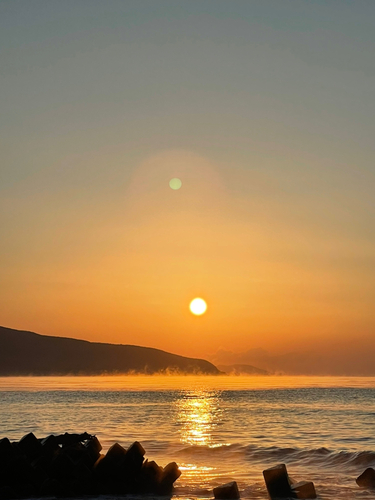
x=341 y=358
x=28 y=353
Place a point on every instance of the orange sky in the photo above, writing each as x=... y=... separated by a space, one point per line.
x=271 y=135
x=127 y=276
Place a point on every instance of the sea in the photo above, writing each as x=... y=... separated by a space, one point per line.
x=217 y=428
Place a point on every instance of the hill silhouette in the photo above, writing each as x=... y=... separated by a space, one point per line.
x=28 y=353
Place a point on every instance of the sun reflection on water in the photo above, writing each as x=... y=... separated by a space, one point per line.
x=198 y=413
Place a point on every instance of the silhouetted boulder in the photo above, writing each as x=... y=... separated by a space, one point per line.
x=101 y=466
x=277 y=482
x=229 y=490
x=51 y=487
x=49 y=443
x=303 y=489
x=75 y=488
x=367 y=478
x=93 y=448
x=49 y=447
x=68 y=439
x=62 y=468
x=16 y=450
x=38 y=475
x=19 y=471
x=110 y=468
x=26 y=490
x=7 y=451
x=82 y=473
x=71 y=465
x=170 y=474
x=116 y=452
x=6 y=493
x=76 y=452
x=280 y=485
x=42 y=462
x=150 y=476
x=30 y=445
x=134 y=456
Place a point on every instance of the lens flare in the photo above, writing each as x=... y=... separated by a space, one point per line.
x=175 y=183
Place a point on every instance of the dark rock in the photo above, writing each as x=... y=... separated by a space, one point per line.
x=115 y=470
x=228 y=490
x=304 y=489
x=68 y=439
x=170 y=474
x=113 y=467
x=83 y=473
x=62 y=468
x=76 y=452
x=38 y=475
x=75 y=488
x=97 y=463
x=6 y=493
x=71 y=465
x=51 y=487
x=19 y=471
x=134 y=456
x=93 y=448
x=150 y=476
x=107 y=469
x=50 y=441
x=7 y=451
x=49 y=445
x=116 y=452
x=42 y=461
x=26 y=490
x=30 y=445
x=16 y=450
x=367 y=478
x=277 y=482
x=100 y=487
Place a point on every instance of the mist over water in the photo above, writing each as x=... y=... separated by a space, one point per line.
x=216 y=428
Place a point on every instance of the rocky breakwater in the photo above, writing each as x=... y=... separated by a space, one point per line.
x=280 y=485
x=367 y=479
x=72 y=465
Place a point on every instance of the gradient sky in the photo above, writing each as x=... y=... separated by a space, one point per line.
x=264 y=109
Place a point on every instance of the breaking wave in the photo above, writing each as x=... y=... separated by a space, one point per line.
x=272 y=454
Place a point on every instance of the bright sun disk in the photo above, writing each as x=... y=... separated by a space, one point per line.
x=198 y=306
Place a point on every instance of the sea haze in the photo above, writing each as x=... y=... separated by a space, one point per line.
x=216 y=428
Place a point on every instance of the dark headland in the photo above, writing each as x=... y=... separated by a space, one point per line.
x=28 y=353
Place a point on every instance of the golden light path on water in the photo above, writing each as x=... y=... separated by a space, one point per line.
x=198 y=413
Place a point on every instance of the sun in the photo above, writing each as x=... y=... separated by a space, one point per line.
x=198 y=306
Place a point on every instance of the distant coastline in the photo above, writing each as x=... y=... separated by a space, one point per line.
x=28 y=353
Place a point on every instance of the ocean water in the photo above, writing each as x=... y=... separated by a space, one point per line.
x=218 y=429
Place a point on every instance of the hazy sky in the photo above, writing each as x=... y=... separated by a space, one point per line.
x=265 y=111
